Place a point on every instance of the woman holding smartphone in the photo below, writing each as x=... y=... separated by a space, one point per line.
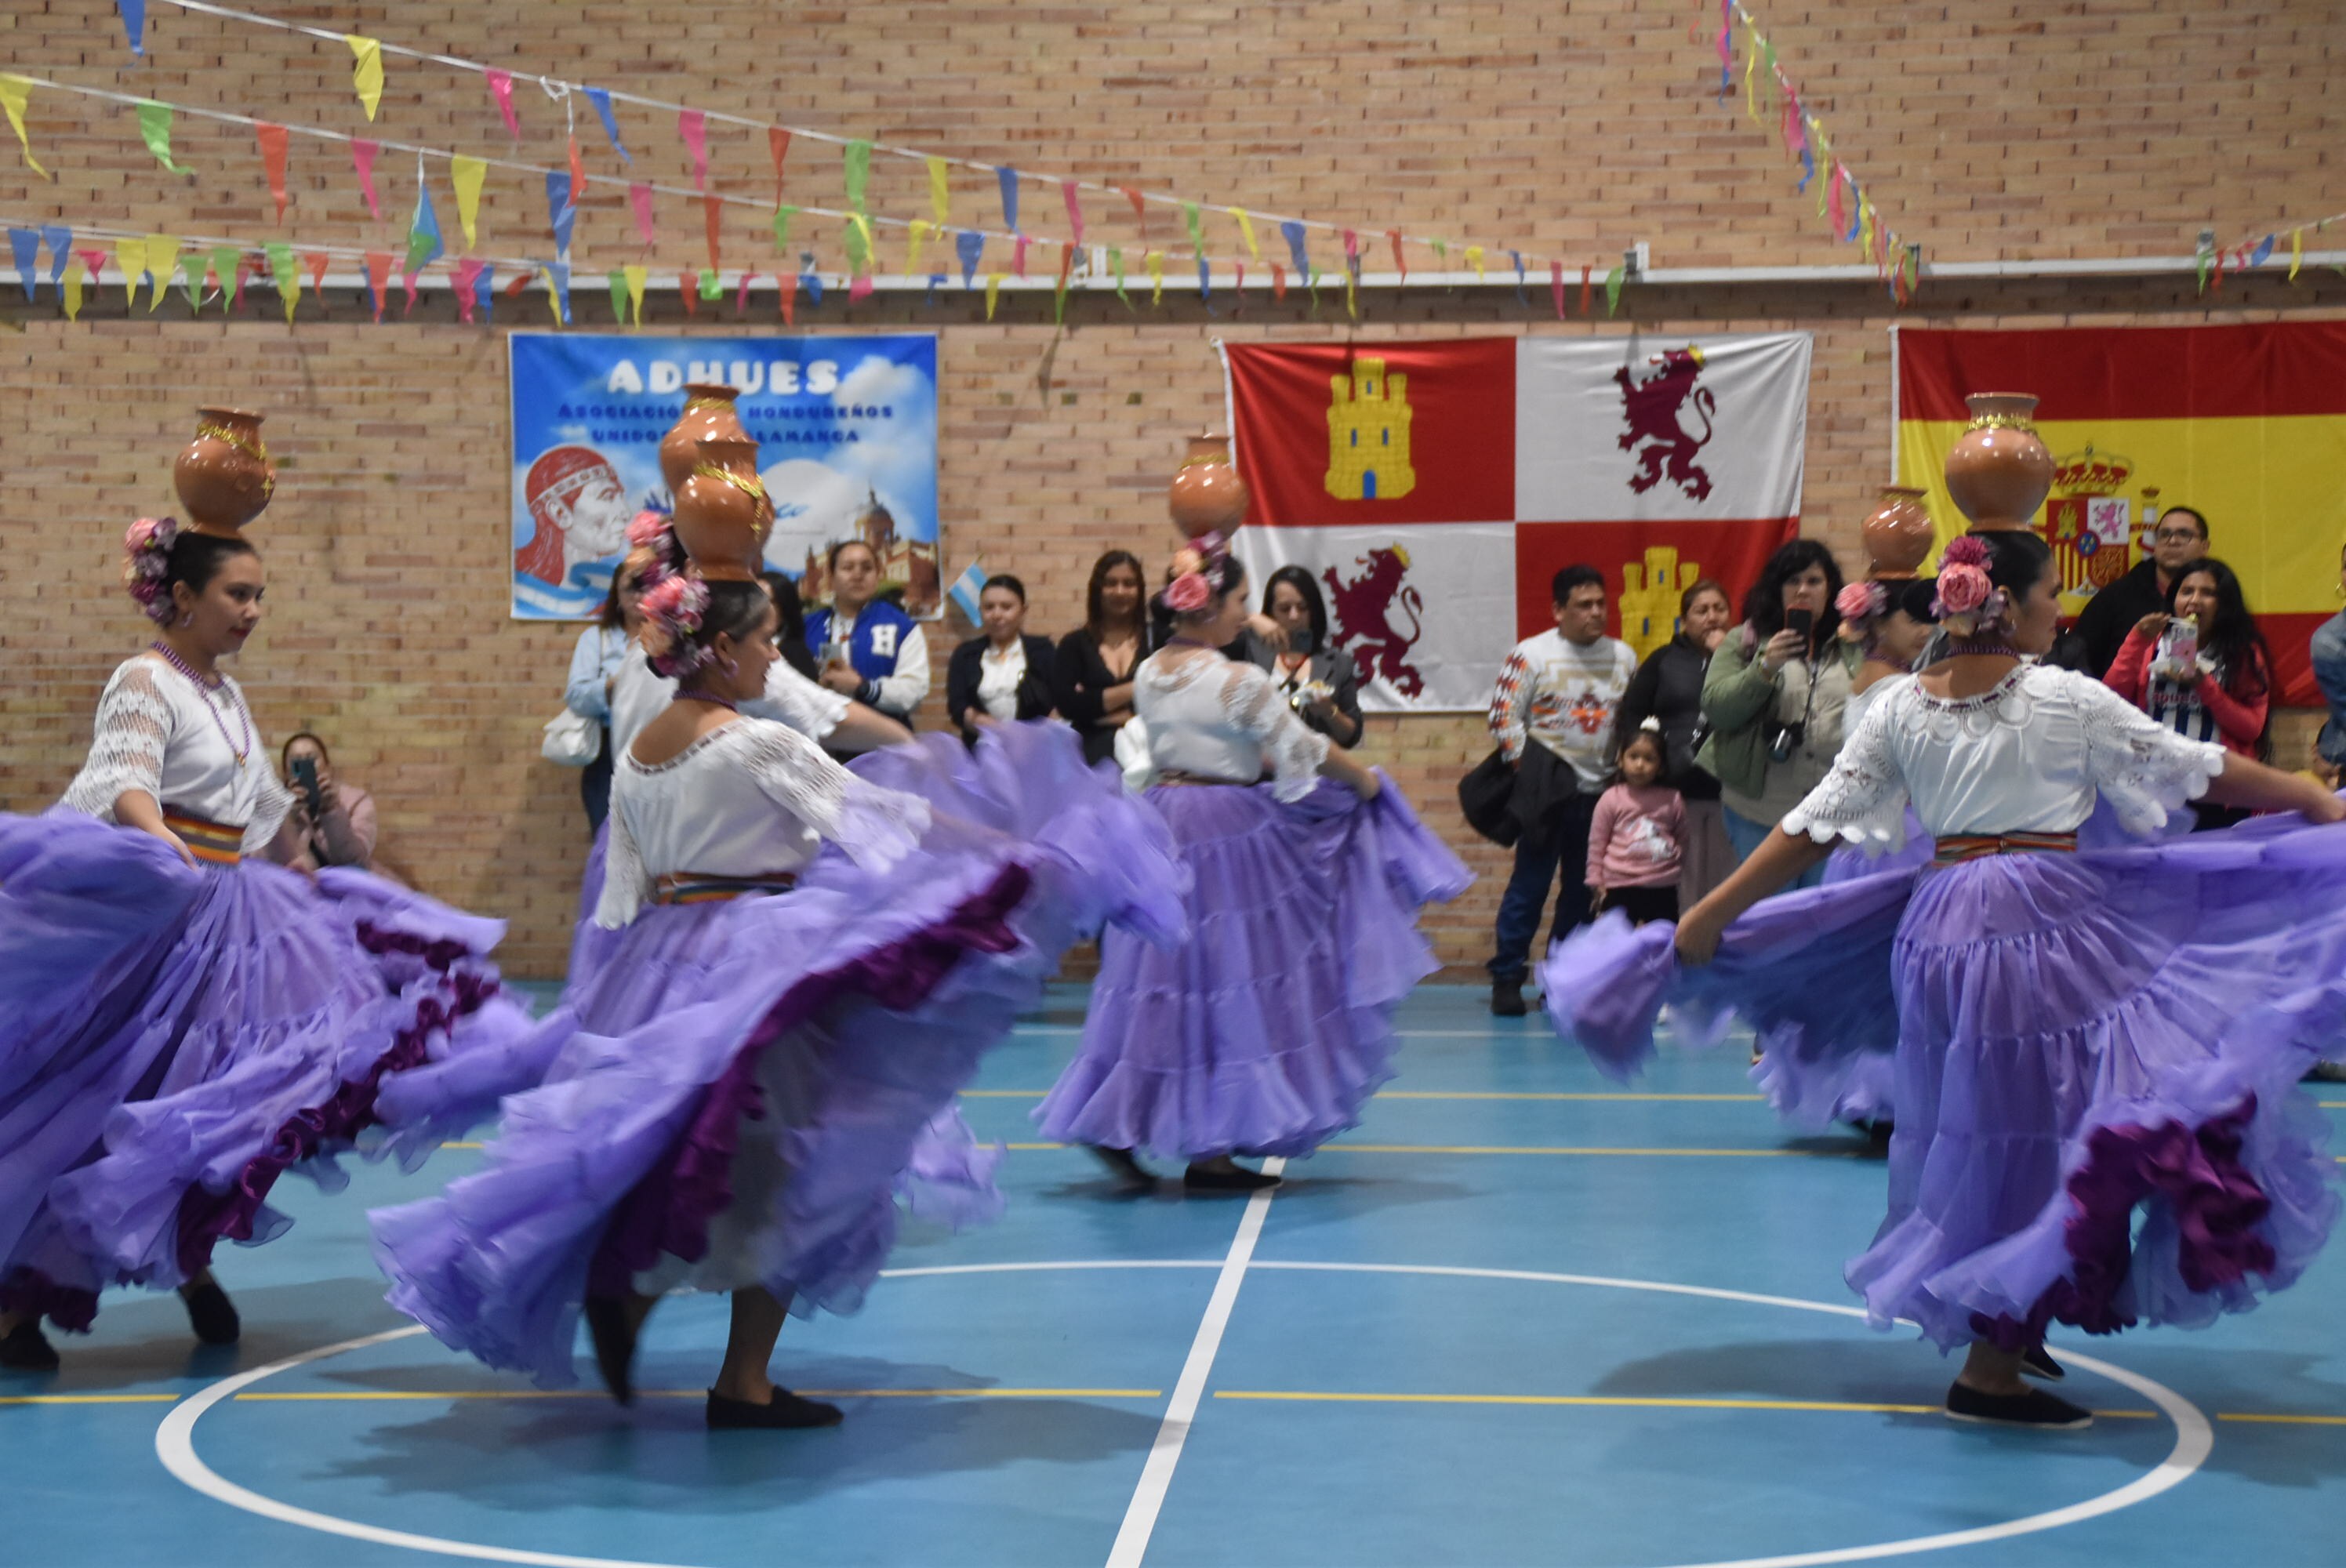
x=328 y=823
x=1775 y=694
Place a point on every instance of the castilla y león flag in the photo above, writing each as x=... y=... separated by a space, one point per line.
x=2244 y=424
x=1433 y=489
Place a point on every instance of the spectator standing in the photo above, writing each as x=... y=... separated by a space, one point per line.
x=2211 y=681
x=1634 y=834
x=1668 y=687
x=594 y=665
x=868 y=649
x=1321 y=684
x=330 y=823
x=2178 y=539
x=1001 y=675
x=2330 y=673
x=1774 y=695
x=790 y=624
x=1092 y=672
x=1552 y=715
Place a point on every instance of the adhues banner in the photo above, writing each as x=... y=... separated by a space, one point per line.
x=2244 y=424
x=847 y=434
x=1434 y=489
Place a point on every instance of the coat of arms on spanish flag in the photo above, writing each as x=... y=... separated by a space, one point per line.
x=1432 y=488
x=2244 y=424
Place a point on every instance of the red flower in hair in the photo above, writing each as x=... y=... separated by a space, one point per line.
x=1187 y=594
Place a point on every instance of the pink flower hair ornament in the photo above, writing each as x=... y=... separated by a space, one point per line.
x=673 y=609
x=1188 y=594
x=146 y=561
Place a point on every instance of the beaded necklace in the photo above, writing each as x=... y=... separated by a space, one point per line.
x=244 y=715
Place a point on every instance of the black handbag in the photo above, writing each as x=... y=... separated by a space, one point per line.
x=1485 y=794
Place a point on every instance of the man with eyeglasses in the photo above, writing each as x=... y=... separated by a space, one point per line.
x=2179 y=539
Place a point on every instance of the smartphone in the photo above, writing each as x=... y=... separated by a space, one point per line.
x=1802 y=621
x=305 y=775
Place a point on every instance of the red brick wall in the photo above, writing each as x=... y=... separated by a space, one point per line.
x=1989 y=130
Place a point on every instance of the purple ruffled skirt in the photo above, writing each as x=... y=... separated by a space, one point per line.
x=743 y=1092
x=1266 y=1031
x=2099 y=1122
x=173 y=1040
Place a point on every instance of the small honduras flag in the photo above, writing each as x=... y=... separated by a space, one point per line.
x=965 y=590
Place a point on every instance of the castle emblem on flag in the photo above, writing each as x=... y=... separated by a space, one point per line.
x=1368 y=434
x=2089 y=520
x=1650 y=407
x=1362 y=611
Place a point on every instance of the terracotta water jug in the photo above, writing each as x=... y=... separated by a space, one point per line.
x=708 y=411
x=224 y=476
x=722 y=514
x=1207 y=496
x=1897 y=534
x=1999 y=472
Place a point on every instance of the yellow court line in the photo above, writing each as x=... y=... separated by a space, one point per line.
x=1829 y=1406
x=463 y=1146
x=1451 y=1095
x=2287 y=1420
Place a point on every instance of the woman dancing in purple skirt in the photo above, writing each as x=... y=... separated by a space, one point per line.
x=180 y=1022
x=2098 y=1049
x=804 y=966
x=1268 y=1029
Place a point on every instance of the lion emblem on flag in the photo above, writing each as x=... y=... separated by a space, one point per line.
x=1651 y=407
x=1362 y=609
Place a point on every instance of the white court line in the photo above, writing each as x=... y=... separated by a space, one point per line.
x=1157 y=1475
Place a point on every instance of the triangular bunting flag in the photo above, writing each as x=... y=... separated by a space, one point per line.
x=692 y=127
x=271 y=141
x=561 y=213
x=501 y=89
x=940 y=193
x=155 y=130
x=366 y=71
x=134 y=22
x=162 y=255
x=14 y=91
x=1075 y=209
x=969 y=247
x=466 y=173
x=601 y=99
x=26 y=245
x=363 y=159
x=1009 y=180
x=287 y=276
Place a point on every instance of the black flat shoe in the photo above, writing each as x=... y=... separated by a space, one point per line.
x=1123 y=1166
x=615 y=1345
x=28 y=1350
x=2035 y=1409
x=1507 y=999
x=2036 y=1362
x=784 y=1412
x=1198 y=1178
x=211 y=1314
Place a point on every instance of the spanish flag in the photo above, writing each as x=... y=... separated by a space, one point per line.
x=2244 y=424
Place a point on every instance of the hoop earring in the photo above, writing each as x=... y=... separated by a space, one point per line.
x=189 y=619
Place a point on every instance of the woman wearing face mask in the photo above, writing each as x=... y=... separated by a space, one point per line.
x=2099 y=1122
x=1668 y=687
x=1267 y=1029
x=806 y=967
x=1000 y=676
x=2223 y=690
x=1774 y=693
x=1091 y=682
x=1321 y=683
x=868 y=648
x=181 y=1023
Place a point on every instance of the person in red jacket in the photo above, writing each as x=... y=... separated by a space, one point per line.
x=2220 y=690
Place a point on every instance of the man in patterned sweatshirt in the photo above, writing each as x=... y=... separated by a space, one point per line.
x=1558 y=693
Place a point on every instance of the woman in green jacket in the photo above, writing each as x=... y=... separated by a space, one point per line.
x=1774 y=694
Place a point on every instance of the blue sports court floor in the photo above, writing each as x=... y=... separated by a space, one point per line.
x=1518 y=1317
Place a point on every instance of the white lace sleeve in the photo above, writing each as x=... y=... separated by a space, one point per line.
x=812 y=709
x=1863 y=798
x=626 y=886
x=125 y=750
x=2143 y=769
x=876 y=826
x=1291 y=749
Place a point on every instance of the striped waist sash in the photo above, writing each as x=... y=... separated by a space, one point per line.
x=1957 y=847
x=692 y=888
x=212 y=843
x=1181 y=776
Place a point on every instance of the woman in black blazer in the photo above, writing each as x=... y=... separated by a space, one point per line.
x=1002 y=675
x=1321 y=683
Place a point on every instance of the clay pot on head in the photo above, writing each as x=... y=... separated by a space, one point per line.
x=708 y=413
x=1897 y=534
x=1999 y=471
x=224 y=476
x=1207 y=496
x=722 y=514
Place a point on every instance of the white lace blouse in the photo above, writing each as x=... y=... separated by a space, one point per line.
x=2029 y=756
x=638 y=695
x=160 y=732
x=1218 y=718
x=751 y=798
